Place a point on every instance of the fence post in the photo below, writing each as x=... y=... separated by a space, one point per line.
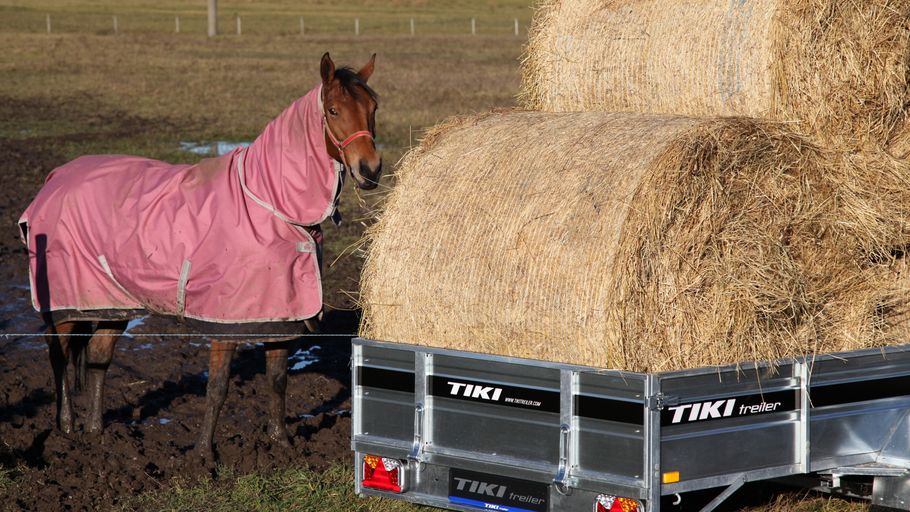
x=516 y=26
x=213 y=18
x=356 y=26
x=239 y=31
x=177 y=23
x=48 y=23
x=473 y=27
x=115 y=23
x=301 y=25
x=412 y=26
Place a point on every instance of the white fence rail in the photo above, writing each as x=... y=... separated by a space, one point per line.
x=263 y=24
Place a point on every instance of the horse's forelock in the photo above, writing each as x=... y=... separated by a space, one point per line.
x=353 y=84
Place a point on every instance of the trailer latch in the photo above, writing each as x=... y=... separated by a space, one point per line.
x=562 y=481
x=417 y=445
x=660 y=401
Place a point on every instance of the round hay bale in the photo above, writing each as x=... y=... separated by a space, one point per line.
x=839 y=69
x=629 y=241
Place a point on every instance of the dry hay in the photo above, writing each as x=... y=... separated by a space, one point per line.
x=837 y=67
x=630 y=241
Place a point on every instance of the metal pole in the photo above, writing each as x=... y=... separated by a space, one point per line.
x=301 y=25
x=356 y=26
x=516 y=26
x=213 y=18
x=239 y=31
x=115 y=23
x=177 y=23
x=412 y=26
x=48 y=23
x=473 y=27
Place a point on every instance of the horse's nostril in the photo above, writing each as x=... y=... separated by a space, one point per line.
x=369 y=172
x=369 y=175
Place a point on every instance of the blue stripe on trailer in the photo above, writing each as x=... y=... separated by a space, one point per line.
x=486 y=506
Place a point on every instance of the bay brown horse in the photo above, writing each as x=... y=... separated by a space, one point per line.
x=349 y=106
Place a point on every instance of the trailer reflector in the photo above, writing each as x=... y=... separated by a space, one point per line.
x=383 y=474
x=670 y=477
x=610 y=503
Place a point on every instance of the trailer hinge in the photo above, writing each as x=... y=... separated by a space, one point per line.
x=659 y=401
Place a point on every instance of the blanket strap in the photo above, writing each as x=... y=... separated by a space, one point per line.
x=181 y=288
x=110 y=274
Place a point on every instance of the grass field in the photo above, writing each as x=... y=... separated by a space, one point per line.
x=294 y=489
x=83 y=89
x=275 y=17
x=331 y=491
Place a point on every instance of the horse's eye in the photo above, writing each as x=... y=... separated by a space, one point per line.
x=333 y=111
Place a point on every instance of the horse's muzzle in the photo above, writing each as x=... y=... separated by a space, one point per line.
x=367 y=177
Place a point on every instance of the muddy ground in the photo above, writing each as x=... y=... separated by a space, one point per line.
x=156 y=386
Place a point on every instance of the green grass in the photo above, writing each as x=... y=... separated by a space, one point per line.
x=7 y=478
x=285 y=490
x=333 y=491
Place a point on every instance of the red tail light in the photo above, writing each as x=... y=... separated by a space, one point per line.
x=383 y=474
x=609 y=503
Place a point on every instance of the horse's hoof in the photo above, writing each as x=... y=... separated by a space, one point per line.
x=282 y=441
x=280 y=436
x=66 y=423
x=198 y=462
x=203 y=454
x=204 y=457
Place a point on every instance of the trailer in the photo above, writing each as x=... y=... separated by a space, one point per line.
x=467 y=431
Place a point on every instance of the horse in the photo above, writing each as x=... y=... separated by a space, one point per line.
x=232 y=243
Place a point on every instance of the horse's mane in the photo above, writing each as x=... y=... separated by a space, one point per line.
x=352 y=83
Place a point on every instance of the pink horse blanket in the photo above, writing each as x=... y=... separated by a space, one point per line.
x=229 y=240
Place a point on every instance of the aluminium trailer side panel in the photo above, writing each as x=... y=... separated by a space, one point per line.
x=726 y=425
x=492 y=409
x=610 y=415
x=383 y=391
x=860 y=401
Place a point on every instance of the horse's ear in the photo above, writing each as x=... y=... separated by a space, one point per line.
x=327 y=68
x=367 y=70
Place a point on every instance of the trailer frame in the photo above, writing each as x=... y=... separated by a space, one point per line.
x=571 y=433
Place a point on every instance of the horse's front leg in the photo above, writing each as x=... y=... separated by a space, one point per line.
x=276 y=365
x=58 y=346
x=100 y=353
x=219 y=370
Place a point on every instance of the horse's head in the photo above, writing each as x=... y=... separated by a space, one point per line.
x=349 y=106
